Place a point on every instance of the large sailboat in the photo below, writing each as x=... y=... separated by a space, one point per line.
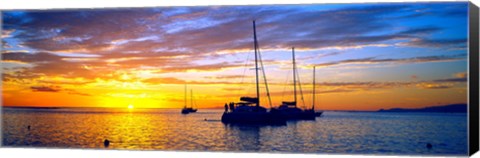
x=248 y=109
x=191 y=109
x=289 y=109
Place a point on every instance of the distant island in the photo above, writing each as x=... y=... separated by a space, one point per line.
x=452 y=108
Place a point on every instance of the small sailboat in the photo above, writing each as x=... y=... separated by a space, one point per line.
x=248 y=110
x=191 y=109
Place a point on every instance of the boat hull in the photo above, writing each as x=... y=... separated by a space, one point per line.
x=263 y=118
x=188 y=110
x=296 y=114
x=184 y=111
x=318 y=114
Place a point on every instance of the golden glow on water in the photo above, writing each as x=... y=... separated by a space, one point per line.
x=167 y=129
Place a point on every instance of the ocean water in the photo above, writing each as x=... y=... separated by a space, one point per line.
x=167 y=129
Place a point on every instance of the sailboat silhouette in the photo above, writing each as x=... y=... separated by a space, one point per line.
x=248 y=110
x=186 y=109
x=289 y=109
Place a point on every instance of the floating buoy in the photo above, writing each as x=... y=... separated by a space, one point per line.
x=28 y=127
x=106 y=143
x=429 y=146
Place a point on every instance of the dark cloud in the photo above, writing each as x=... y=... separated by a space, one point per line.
x=452 y=80
x=45 y=89
x=76 y=29
x=421 y=31
x=31 y=57
x=22 y=75
x=372 y=60
x=437 y=43
x=51 y=65
x=367 y=85
x=458 y=77
x=57 y=89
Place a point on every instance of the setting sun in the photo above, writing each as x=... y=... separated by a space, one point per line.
x=130 y=106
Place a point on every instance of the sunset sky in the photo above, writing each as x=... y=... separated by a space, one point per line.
x=368 y=56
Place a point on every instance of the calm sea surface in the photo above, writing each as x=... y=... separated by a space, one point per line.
x=160 y=129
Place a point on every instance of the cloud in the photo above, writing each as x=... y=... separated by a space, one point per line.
x=318 y=91
x=367 y=85
x=372 y=60
x=57 y=89
x=65 y=81
x=433 y=86
x=451 y=80
x=165 y=80
x=461 y=75
x=52 y=65
x=457 y=77
x=21 y=76
x=48 y=64
x=206 y=67
x=421 y=31
x=71 y=91
x=30 y=57
x=62 y=30
x=172 y=80
x=437 y=43
x=45 y=89
x=226 y=77
x=7 y=33
x=318 y=56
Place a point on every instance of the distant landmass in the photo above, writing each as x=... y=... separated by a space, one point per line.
x=452 y=108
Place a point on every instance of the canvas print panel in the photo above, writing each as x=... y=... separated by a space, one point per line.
x=379 y=78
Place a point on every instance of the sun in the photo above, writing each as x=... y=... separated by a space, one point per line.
x=130 y=106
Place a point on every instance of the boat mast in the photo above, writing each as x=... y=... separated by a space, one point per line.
x=185 y=96
x=256 y=63
x=264 y=76
x=313 y=96
x=294 y=78
x=191 y=98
